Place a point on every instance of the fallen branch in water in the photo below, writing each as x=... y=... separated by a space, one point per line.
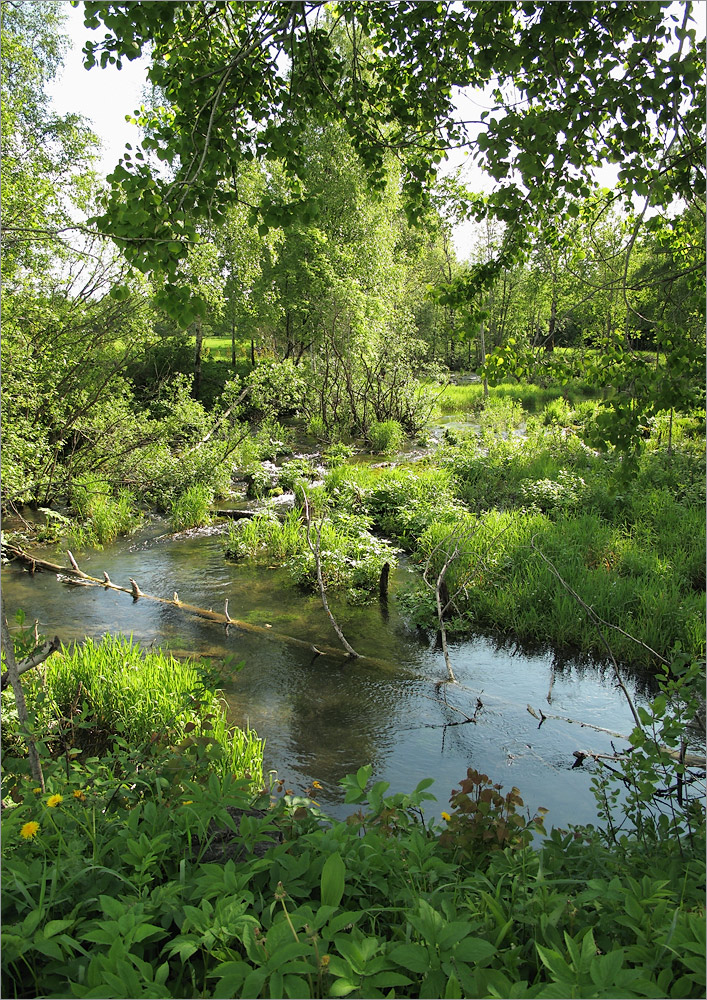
x=539 y=714
x=72 y=574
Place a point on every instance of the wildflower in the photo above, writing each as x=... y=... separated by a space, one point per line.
x=315 y=784
x=54 y=800
x=37 y=791
x=78 y=794
x=187 y=802
x=445 y=815
x=29 y=830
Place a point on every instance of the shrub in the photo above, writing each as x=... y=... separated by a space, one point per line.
x=296 y=471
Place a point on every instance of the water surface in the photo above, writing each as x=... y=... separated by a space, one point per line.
x=323 y=718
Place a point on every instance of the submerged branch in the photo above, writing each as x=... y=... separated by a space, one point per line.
x=69 y=574
x=316 y=552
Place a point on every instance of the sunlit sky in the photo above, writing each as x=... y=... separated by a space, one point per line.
x=106 y=96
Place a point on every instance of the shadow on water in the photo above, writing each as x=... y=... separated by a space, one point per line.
x=322 y=719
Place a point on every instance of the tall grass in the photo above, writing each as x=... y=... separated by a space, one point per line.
x=96 y=692
x=501 y=582
x=104 y=515
x=386 y=436
x=191 y=509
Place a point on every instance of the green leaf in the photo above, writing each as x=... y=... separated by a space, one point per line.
x=414 y=957
x=474 y=949
x=333 y=880
x=342 y=988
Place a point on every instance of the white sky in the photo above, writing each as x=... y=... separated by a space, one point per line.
x=106 y=96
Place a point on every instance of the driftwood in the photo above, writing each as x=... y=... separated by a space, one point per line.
x=72 y=574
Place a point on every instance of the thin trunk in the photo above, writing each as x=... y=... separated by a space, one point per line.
x=233 y=341
x=482 y=345
x=197 y=358
x=20 y=704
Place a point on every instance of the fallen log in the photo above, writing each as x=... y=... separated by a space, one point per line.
x=75 y=575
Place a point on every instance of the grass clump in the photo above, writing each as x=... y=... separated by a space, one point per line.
x=102 y=515
x=351 y=556
x=385 y=436
x=192 y=508
x=97 y=695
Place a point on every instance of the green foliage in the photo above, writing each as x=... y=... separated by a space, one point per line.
x=103 y=516
x=385 y=436
x=387 y=901
x=660 y=793
x=299 y=470
x=351 y=557
x=98 y=695
x=192 y=509
x=276 y=389
x=337 y=453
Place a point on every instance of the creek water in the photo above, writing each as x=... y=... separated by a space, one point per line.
x=324 y=718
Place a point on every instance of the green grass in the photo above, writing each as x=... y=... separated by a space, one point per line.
x=191 y=509
x=98 y=692
x=633 y=548
x=533 y=398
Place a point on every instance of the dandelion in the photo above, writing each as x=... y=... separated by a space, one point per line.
x=29 y=830
x=54 y=800
x=78 y=794
x=445 y=815
x=37 y=791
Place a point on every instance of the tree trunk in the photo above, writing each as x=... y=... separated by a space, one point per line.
x=233 y=342
x=482 y=345
x=197 y=358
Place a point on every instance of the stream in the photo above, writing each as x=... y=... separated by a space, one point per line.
x=322 y=719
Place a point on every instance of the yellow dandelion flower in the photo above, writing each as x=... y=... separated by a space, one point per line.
x=29 y=830
x=445 y=815
x=54 y=800
x=37 y=791
x=315 y=784
x=78 y=794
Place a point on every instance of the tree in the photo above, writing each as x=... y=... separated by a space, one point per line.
x=591 y=82
x=45 y=157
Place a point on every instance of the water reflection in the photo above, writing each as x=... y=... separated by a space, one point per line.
x=322 y=718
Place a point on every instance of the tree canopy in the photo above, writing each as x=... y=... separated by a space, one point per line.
x=572 y=85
